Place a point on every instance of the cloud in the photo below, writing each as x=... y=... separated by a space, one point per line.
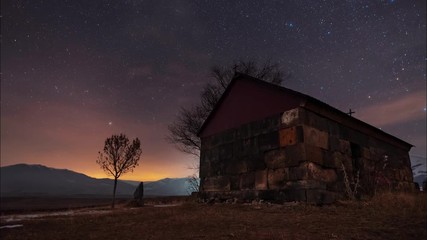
x=405 y=109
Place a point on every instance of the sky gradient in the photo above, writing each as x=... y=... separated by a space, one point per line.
x=76 y=72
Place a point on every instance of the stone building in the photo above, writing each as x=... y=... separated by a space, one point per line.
x=263 y=141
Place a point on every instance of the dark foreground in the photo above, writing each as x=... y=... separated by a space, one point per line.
x=385 y=217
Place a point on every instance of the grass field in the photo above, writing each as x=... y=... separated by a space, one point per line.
x=388 y=216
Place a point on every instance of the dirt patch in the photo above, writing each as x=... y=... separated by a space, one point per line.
x=36 y=204
x=376 y=219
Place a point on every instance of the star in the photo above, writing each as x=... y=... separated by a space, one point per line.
x=125 y=60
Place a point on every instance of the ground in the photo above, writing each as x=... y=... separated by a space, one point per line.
x=389 y=216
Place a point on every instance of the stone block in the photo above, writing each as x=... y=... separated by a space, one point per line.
x=337 y=186
x=204 y=169
x=214 y=141
x=243 y=132
x=398 y=175
x=204 y=156
x=277 y=178
x=368 y=165
x=294 y=155
x=406 y=160
x=217 y=169
x=236 y=167
x=234 y=183
x=246 y=147
x=318 y=196
x=290 y=195
x=316 y=121
x=256 y=128
x=338 y=158
x=268 y=195
x=288 y=136
x=274 y=122
x=275 y=159
x=395 y=161
x=358 y=138
x=345 y=147
x=333 y=129
x=305 y=184
x=268 y=141
x=212 y=155
x=343 y=132
x=334 y=144
x=255 y=162
x=247 y=181
x=248 y=195
x=261 y=180
x=328 y=160
x=315 y=137
x=366 y=153
x=406 y=173
x=226 y=151
x=219 y=183
x=316 y=172
x=314 y=154
x=298 y=173
x=405 y=187
x=228 y=136
x=206 y=143
x=271 y=124
x=348 y=164
x=290 y=117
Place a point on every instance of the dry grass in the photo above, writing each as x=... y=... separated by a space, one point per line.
x=388 y=216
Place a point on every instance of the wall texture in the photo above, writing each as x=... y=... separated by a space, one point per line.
x=299 y=156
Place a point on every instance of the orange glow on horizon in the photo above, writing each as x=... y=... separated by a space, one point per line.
x=75 y=147
x=134 y=176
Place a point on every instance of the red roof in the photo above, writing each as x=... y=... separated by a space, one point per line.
x=249 y=99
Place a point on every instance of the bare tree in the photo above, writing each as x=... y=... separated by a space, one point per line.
x=118 y=157
x=193 y=180
x=183 y=131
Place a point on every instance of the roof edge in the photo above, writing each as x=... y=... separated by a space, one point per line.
x=236 y=76
x=346 y=120
x=307 y=102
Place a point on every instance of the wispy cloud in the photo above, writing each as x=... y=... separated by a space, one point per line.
x=407 y=108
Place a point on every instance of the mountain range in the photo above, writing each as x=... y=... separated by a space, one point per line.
x=419 y=169
x=39 y=180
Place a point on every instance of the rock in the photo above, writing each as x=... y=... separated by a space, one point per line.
x=318 y=173
x=138 y=195
x=277 y=178
x=315 y=137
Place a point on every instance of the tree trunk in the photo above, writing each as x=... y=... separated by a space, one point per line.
x=114 y=192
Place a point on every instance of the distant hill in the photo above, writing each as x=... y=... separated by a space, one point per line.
x=419 y=169
x=164 y=187
x=39 y=180
x=167 y=186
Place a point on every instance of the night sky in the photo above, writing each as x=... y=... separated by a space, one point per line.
x=75 y=72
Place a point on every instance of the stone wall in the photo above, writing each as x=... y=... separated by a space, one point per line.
x=298 y=156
